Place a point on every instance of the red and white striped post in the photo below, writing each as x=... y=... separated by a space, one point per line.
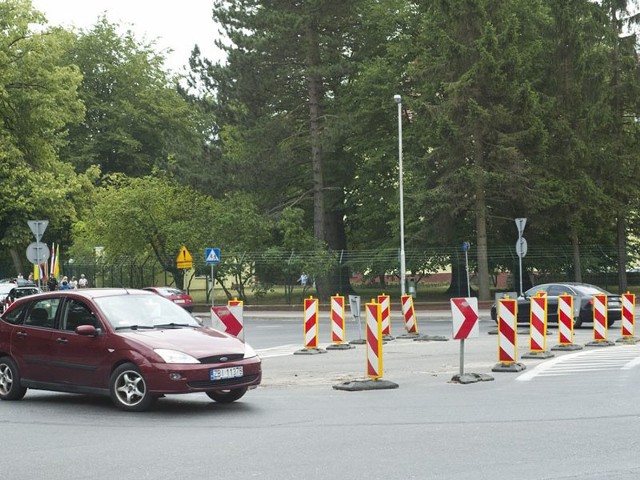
x=507 y=336
x=337 y=324
x=600 y=319
x=374 y=341
x=385 y=315
x=310 y=327
x=628 y=318
x=409 y=315
x=538 y=328
x=565 y=324
x=235 y=302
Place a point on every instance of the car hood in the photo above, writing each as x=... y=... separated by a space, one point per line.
x=197 y=342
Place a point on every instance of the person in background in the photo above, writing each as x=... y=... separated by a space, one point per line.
x=64 y=284
x=83 y=282
x=52 y=283
x=30 y=277
x=73 y=283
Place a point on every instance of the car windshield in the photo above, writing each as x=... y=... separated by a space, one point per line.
x=170 y=291
x=143 y=311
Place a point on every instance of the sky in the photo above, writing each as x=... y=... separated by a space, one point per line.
x=175 y=25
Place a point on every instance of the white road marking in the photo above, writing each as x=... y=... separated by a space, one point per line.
x=606 y=358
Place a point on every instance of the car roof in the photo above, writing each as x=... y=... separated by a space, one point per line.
x=91 y=293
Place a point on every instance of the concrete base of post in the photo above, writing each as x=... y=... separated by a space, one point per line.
x=430 y=338
x=359 y=385
x=408 y=336
x=600 y=343
x=508 y=367
x=542 y=354
x=566 y=347
x=310 y=351
x=340 y=346
x=388 y=338
x=358 y=341
x=628 y=340
x=471 y=378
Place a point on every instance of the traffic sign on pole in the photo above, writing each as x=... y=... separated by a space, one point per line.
x=520 y=223
x=38 y=227
x=212 y=256
x=184 y=260
x=464 y=312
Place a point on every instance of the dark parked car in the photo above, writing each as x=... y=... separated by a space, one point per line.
x=176 y=295
x=132 y=345
x=18 y=292
x=582 y=302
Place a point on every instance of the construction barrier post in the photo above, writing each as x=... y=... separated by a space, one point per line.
x=565 y=324
x=374 y=370
x=538 y=328
x=600 y=319
x=337 y=324
x=409 y=315
x=374 y=340
x=628 y=318
x=310 y=328
x=235 y=302
x=385 y=315
x=507 y=336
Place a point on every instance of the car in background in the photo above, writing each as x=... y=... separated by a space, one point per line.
x=176 y=295
x=18 y=292
x=582 y=302
x=132 y=345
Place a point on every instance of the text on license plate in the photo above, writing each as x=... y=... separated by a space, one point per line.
x=223 y=373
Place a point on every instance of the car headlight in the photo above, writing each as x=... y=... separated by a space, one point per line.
x=174 y=356
x=249 y=352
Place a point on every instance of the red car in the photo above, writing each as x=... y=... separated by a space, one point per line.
x=176 y=295
x=132 y=345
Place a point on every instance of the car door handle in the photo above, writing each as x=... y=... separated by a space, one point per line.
x=21 y=334
x=61 y=340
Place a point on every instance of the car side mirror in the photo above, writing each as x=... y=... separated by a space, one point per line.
x=87 y=330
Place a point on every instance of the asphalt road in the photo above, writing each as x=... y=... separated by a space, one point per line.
x=574 y=416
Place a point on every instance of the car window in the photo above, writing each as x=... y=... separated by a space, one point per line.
x=75 y=314
x=15 y=315
x=42 y=313
x=555 y=290
x=532 y=292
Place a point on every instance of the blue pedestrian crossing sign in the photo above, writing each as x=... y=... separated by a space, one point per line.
x=212 y=256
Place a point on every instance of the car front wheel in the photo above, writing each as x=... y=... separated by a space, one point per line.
x=10 y=388
x=129 y=390
x=227 y=396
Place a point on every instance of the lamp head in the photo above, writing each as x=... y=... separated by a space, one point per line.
x=397 y=98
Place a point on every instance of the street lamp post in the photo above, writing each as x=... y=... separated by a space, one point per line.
x=398 y=100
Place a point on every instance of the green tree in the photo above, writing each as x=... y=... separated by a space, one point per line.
x=38 y=89
x=136 y=120
x=473 y=81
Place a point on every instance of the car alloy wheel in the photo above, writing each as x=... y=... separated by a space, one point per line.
x=10 y=388
x=129 y=390
x=227 y=396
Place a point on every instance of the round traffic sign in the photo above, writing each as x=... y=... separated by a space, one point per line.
x=38 y=253
x=521 y=247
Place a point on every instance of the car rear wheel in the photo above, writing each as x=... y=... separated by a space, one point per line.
x=227 y=396
x=577 y=323
x=129 y=390
x=10 y=388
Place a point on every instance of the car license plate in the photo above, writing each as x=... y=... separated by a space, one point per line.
x=224 y=373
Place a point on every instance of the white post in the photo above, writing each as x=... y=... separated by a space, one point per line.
x=398 y=100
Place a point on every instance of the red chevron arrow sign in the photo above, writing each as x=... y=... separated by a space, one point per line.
x=464 y=312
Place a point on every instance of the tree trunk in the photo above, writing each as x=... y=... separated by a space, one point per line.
x=315 y=89
x=622 y=253
x=484 y=280
x=577 y=266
